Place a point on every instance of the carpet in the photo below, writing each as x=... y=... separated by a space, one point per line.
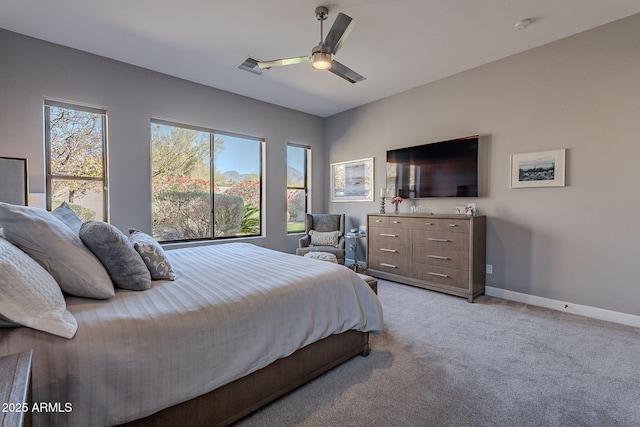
x=442 y=361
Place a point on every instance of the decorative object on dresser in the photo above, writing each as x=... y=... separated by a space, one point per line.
x=444 y=253
x=317 y=227
x=396 y=203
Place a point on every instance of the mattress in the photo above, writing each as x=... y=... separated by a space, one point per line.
x=233 y=309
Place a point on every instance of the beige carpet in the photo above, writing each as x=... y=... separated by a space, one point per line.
x=444 y=362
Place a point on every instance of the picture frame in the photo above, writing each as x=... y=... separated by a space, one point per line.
x=352 y=181
x=538 y=169
x=13 y=176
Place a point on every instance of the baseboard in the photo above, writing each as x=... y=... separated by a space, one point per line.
x=583 y=310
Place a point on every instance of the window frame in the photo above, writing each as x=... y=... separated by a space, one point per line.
x=307 y=179
x=212 y=136
x=49 y=176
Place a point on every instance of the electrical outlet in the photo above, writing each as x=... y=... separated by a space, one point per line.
x=489 y=269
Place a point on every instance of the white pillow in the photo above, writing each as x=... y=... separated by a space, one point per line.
x=29 y=296
x=324 y=238
x=58 y=249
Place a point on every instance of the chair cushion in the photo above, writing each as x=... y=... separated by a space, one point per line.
x=324 y=222
x=324 y=256
x=326 y=238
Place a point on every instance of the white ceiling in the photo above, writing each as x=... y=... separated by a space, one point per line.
x=397 y=44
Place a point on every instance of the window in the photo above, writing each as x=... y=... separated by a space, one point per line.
x=297 y=187
x=205 y=184
x=75 y=145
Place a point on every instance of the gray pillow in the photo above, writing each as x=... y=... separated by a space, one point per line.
x=65 y=214
x=116 y=253
x=152 y=254
x=56 y=248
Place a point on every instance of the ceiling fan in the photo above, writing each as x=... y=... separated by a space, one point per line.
x=322 y=55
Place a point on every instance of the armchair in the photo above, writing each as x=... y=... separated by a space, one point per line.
x=317 y=235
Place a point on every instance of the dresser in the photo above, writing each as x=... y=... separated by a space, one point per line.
x=444 y=253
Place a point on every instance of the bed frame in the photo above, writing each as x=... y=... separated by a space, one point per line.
x=243 y=396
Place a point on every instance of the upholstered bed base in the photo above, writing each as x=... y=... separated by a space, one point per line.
x=239 y=398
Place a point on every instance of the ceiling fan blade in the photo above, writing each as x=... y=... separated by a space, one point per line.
x=345 y=72
x=284 y=61
x=340 y=30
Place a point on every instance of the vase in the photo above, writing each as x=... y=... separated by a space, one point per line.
x=397 y=210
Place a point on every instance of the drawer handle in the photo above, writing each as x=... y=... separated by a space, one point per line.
x=433 y=239
x=388 y=235
x=453 y=225
x=437 y=274
x=378 y=220
x=384 y=264
x=438 y=257
x=428 y=223
x=388 y=250
x=396 y=222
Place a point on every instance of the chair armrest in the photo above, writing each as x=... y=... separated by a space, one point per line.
x=304 y=241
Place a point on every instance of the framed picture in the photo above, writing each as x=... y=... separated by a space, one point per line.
x=352 y=181
x=13 y=178
x=538 y=169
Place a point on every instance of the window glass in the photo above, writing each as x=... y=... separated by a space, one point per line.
x=75 y=140
x=205 y=184
x=297 y=191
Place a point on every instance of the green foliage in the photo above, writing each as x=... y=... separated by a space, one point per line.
x=250 y=225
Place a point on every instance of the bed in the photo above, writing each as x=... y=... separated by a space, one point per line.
x=238 y=327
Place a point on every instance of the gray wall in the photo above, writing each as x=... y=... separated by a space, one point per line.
x=31 y=70
x=577 y=243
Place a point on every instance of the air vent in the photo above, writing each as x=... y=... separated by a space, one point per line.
x=251 y=65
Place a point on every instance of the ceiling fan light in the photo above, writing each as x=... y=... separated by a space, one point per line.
x=321 y=60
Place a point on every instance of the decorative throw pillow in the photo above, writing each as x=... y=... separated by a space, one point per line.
x=152 y=254
x=56 y=248
x=29 y=296
x=116 y=253
x=65 y=214
x=326 y=238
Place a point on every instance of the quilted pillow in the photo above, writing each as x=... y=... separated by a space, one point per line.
x=152 y=254
x=326 y=238
x=29 y=296
x=56 y=248
x=65 y=214
x=116 y=253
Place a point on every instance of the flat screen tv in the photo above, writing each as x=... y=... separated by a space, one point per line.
x=440 y=169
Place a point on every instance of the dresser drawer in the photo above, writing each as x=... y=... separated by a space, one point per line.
x=453 y=225
x=442 y=257
x=424 y=224
x=383 y=235
x=392 y=250
x=442 y=276
x=443 y=241
x=388 y=265
x=378 y=221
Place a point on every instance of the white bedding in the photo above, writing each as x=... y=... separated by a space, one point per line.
x=233 y=309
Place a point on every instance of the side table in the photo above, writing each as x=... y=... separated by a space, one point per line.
x=354 y=247
x=15 y=389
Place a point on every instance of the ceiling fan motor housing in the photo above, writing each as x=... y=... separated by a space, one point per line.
x=321 y=13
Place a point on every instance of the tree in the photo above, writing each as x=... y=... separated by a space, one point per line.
x=76 y=146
